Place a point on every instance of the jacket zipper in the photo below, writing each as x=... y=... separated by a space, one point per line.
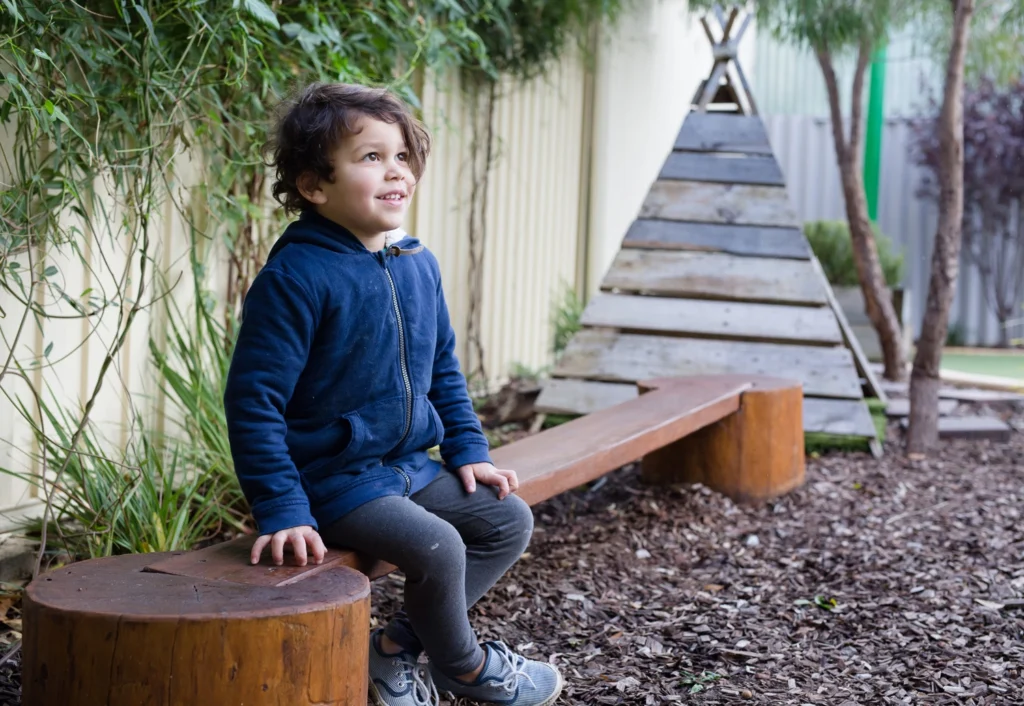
x=403 y=362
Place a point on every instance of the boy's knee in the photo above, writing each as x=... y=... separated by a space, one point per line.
x=443 y=552
x=520 y=519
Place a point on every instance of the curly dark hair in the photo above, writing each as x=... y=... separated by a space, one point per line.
x=315 y=119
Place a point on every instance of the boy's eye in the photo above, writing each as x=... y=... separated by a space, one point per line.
x=372 y=157
x=404 y=156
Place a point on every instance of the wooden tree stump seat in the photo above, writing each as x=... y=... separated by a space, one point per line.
x=106 y=633
x=206 y=627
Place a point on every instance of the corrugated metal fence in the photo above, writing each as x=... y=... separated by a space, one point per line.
x=804 y=148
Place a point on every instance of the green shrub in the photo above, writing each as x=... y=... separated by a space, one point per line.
x=832 y=245
x=565 y=318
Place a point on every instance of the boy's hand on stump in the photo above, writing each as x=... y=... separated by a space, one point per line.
x=505 y=481
x=298 y=537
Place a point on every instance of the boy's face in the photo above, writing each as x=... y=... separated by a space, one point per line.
x=373 y=183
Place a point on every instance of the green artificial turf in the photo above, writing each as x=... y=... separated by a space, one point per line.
x=1007 y=365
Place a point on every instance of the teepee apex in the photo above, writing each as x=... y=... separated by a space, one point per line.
x=726 y=89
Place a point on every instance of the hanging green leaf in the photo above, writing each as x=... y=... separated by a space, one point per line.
x=262 y=12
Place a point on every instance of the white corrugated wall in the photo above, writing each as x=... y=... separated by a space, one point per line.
x=787 y=80
x=532 y=217
x=804 y=148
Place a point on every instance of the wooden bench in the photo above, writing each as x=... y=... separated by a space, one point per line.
x=206 y=627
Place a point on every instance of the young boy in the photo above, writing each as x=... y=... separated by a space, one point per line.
x=344 y=375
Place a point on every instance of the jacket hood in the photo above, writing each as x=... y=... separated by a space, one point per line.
x=313 y=229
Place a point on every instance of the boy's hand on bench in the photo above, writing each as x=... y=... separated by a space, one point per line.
x=505 y=481
x=298 y=537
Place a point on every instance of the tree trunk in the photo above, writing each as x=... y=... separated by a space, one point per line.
x=877 y=296
x=923 y=433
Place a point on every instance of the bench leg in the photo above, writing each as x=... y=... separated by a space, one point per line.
x=754 y=454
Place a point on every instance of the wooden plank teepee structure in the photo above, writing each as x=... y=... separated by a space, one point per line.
x=716 y=276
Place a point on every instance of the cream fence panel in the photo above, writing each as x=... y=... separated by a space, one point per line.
x=532 y=215
x=533 y=229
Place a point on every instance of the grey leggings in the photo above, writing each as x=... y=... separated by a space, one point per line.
x=453 y=546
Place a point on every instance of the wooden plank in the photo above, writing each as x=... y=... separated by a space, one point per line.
x=723 y=169
x=976 y=395
x=579 y=396
x=576 y=396
x=864 y=368
x=977 y=428
x=754 y=241
x=841 y=417
x=720 y=319
x=717 y=132
x=901 y=407
x=589 y=447
x=623 y=357
x=715 y=276
x=719 y=203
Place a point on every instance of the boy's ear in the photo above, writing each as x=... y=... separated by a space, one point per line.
x=308 y=185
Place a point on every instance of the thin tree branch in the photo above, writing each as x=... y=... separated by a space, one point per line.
x=857 y=98
x=824 y=57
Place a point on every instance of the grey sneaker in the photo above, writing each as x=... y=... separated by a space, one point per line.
x=398 y=680
x=507 y=679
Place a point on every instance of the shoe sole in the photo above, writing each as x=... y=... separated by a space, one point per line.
x=549 y=702
x=375 y=696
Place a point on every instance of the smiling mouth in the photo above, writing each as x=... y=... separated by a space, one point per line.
x=392 y=198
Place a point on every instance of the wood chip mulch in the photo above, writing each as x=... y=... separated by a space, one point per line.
x=877 y=582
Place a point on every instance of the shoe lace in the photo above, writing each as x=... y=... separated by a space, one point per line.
x=424 y=693
x=514 y=666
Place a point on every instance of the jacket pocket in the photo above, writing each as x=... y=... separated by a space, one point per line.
x=376 y=429
x=438 y=424
x=328 y=446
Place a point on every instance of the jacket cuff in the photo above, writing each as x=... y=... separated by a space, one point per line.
x=471 y=453
x=282 y=517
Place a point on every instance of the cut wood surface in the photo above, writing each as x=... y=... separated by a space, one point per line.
x=820 y=414
x=104 y=633
x=727 y=319
x=715 y=276
x=719 y=203
x=229 y=561
x=755 y=241
x=717 y=132
x=722 y=168
x=623 y=357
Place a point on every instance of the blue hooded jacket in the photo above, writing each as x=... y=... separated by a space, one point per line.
x=344 y=375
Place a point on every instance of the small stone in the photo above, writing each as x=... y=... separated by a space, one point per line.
x=643 y=554
x=747 y=694
x=752 y=541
